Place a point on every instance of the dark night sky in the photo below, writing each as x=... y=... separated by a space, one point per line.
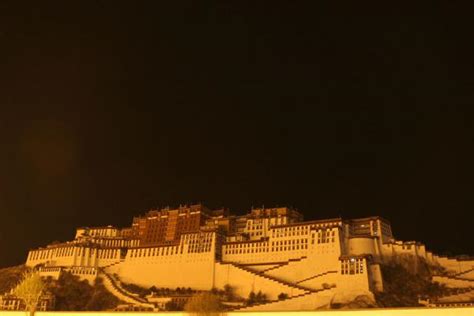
x=110 y=108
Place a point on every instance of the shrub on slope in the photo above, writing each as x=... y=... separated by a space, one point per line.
x=9 y=277
x=75 y=295
x=402 y=288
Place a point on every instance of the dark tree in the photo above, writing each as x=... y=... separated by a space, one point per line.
x=282 y=296
x=251 y=299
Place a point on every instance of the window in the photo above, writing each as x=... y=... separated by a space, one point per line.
x=352 y=266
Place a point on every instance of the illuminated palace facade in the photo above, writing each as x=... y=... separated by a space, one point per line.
x=269 y=249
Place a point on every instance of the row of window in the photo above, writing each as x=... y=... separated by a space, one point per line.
x=16 y=304
x=290 y=231
x=298 y=230
x=246 y=245
x=198 y=244
x=199 y=248
x=264 y=249
x=104 y=254
x=166 y=251
x=200 y=241
x=102 y=232
x=289 y=242
x=273 y=243
x=46 y=254
x=250 y=226
x=326 y=236
x=352 y=266
x=114 y=242
x=207 y=236
x=386 y=229
x=279 y=245
x=69 y=251
x=91 y=271
x=151 y=252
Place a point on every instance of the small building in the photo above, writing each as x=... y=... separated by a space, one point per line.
x=10 y=302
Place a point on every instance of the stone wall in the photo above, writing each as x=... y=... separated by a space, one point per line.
x=73 y=255
x=314 y=264
x=244 y=282
x=195 y=271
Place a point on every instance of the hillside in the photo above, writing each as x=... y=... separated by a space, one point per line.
x=71 y=294
x=75 y=295
x=404 y=283
x=9 y=277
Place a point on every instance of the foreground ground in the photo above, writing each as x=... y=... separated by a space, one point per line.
x=371 y=312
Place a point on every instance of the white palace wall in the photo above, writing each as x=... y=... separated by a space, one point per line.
x=190 y=263
x=351 y=276
x=84 y=273
x=314 y=264
x=190 y=270
x=322 y=256
x=244 y=282
x=52 y=272
x=329 y=278
x=363 y=245
x=199 y=272
x=281 y=245
x=394 y=250
x=313 y=255
x=454 y=265
x=73 y=255
x=376 y=278
x=263 y=267
x=354 y=275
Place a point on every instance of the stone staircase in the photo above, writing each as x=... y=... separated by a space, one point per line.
x=112 y=285
x=283 y=264
x=453 y=282
x=113 y=264
x=467 y=295
x=461 y=289
x=457 y=295
x=459 y=274
x=315 y=276
x=285 y=283
x=289 y=303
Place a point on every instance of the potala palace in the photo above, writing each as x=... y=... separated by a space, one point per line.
x=271 y=250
